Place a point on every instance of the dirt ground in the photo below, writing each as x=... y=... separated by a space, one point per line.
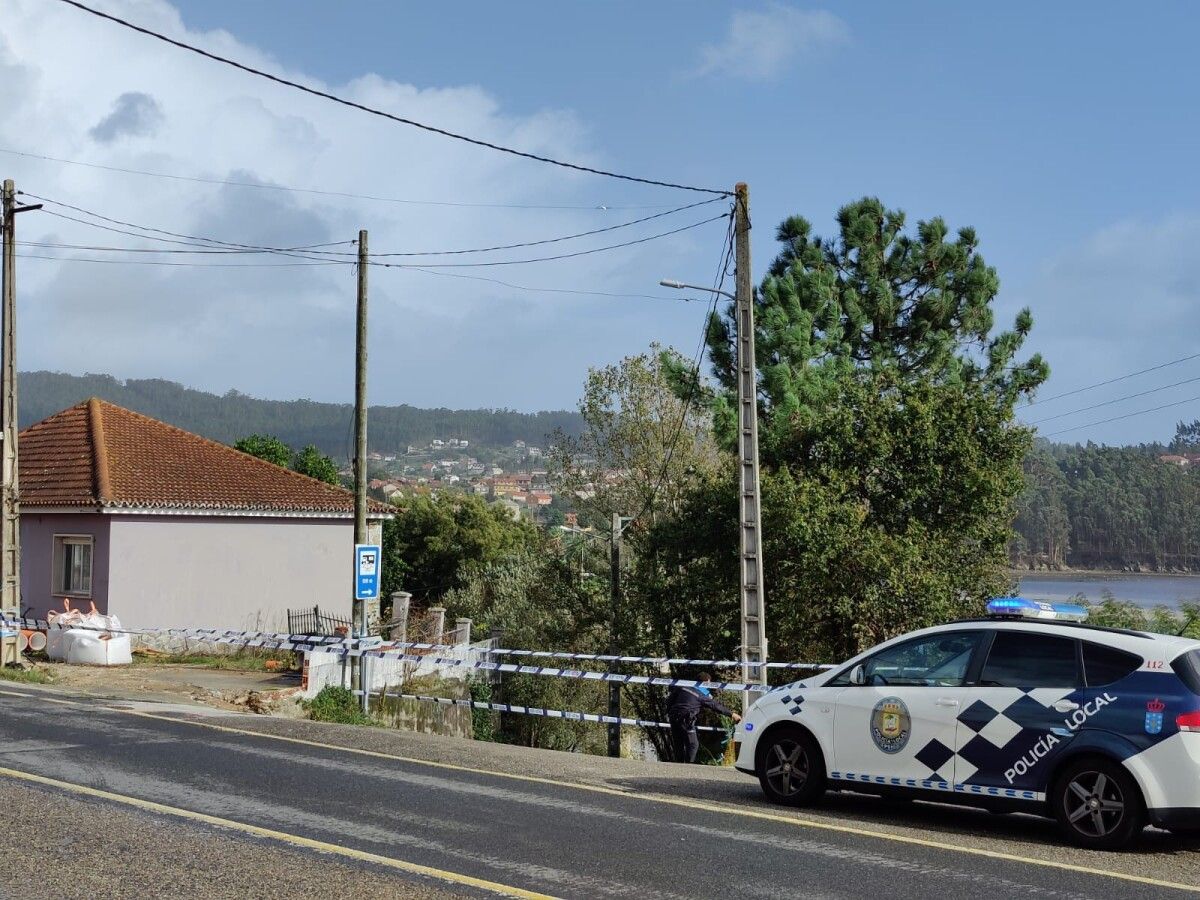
x=224 y=689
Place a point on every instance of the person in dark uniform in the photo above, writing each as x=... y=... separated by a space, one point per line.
x=683 y=708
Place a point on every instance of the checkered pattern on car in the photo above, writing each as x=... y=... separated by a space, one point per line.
x=793 y=703
x=995 y=732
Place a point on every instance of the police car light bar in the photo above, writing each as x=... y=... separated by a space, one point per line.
x=1020 y=608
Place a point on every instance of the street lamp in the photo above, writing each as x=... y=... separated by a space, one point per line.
x=680 y=286
x=753 y=650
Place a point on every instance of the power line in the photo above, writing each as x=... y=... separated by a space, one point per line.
x=162 y=262
x=189 y=239
x=554 y=240
x=226 y=182
x=1075 y=412
x=314 y=247
x=1090 y=387
x=378 y=112
x=718 y=283
x=204 y=250
x=537 y=259
x=543 y=290
x=1140 y=412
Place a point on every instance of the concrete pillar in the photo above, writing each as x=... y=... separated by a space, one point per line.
x=462 y=631
x=437 y=623
x=399 y=623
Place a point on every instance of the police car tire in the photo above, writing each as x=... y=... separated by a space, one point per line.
x=1065 y=799
x=789 y=740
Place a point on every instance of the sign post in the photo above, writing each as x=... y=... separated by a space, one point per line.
x=368 y=578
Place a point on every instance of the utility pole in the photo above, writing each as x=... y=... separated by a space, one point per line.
x=359 y=608
x=10 y=509
x=614 y=687
x=754 y=639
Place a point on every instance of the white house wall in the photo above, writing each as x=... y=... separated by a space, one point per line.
x=224 y=572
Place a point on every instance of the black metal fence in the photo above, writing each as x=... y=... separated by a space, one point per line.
x=314 y=622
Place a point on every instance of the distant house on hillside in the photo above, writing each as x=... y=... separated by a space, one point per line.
x=165 y=528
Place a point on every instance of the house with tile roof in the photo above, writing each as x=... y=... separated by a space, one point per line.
x=162 y=527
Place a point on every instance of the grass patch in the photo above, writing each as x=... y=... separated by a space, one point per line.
x=337 y=704
x=25 y=676
x=239 y=662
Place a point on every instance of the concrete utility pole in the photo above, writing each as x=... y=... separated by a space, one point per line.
x=754 y=639
x=10 y=510
x=359 y=608
x=614 y=688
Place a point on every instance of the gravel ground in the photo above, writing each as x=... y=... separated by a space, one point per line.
x=67 y=847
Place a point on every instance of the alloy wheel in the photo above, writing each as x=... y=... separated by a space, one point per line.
x=789 y=768
x=1095 y=805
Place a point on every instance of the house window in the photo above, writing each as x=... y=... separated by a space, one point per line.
x=73 y=565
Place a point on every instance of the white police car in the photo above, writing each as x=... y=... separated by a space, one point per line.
x=1026 y=710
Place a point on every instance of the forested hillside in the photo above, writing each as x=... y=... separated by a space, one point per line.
x=1111 y=507
x=296 y=422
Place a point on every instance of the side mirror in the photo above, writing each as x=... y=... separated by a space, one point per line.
x=857 y=675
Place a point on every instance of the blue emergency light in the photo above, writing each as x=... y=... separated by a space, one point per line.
x=1021 y=608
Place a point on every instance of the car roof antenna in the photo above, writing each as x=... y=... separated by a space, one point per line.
x=1187 y=624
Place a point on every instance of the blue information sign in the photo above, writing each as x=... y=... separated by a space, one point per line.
x=367 y=572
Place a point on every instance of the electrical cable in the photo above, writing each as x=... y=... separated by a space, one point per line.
x=314 y=247
x=1140 y=412
x=1075 y=412
x=718 y=284
x=541 y=290
x=163 y=262
x=190 y=239
x=225 y=182
x=381 y=113
x=518 y=262
x=1173 y=362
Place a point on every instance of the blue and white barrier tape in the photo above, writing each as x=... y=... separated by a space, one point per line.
x=375 y=647
x=608 y=657
x=512 y=668
x=538 y=711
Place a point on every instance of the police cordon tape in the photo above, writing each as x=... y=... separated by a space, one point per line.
x=281 y=641
x=376 y=648
x=536 y=711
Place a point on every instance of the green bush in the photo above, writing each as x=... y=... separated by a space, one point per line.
x=483 y=721
x=337 y=704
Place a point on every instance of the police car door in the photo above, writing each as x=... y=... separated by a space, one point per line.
x=897 y=725
x=1018 y=719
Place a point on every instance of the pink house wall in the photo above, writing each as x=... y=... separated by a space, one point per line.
x=37 y=558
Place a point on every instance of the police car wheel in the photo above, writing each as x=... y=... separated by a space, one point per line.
x=1098 y=804
x=791 y=768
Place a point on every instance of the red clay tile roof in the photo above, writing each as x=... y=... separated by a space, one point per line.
x=100 y=455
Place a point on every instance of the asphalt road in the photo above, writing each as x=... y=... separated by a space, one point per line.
x=162 y=804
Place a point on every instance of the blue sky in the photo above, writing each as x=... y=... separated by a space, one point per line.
x=1061 y=132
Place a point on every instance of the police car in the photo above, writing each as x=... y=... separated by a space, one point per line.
x=1027 y=710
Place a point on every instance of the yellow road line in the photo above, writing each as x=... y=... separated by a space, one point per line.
x=296 y=840
x=662 y=799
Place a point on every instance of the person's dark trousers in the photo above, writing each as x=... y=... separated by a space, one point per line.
x=683 y=734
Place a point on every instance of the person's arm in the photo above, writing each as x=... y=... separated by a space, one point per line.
x=718 y=707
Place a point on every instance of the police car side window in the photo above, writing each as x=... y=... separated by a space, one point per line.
x=1104 y=665
x=1030 y=660
x=939 y=660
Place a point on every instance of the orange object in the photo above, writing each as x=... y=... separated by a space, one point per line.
x=271 y=665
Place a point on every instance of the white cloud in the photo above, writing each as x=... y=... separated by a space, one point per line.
x=1126 y=298
x=762 y=45
x=288 y=332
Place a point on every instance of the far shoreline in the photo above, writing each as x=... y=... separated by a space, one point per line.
x=1084 y=574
